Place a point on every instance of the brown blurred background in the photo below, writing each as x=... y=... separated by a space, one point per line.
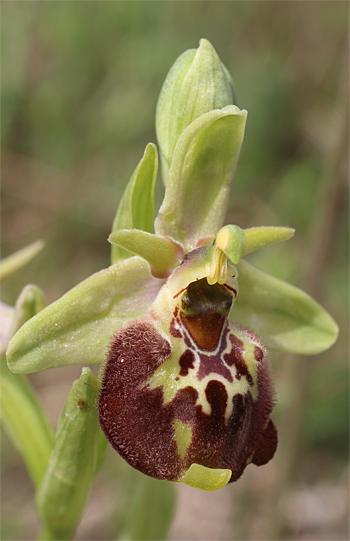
x=80 y=82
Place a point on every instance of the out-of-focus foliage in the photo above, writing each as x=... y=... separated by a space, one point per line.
x=80 y=85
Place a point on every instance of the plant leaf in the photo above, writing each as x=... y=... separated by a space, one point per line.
x=136 y=208
x=286 y=318
x=200 y=176
x=25 y=422
x=77 y=327
x=162 y=253
x=16 y=261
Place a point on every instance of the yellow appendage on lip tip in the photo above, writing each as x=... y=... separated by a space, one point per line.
x=198 y=476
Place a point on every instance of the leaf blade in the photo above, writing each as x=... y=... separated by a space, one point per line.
x=136 y=208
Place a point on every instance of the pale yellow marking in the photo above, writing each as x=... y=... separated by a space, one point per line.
x=165 y=376
x=183 y=437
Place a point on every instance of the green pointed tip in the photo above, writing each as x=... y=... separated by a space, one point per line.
x=16 y=261
x=258 y=237
x=162 y=253
x=198 y=476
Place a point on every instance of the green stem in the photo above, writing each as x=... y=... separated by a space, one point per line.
x=45 y=534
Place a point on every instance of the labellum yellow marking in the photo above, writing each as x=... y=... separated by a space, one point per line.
x=168 y=375
x=183 y=437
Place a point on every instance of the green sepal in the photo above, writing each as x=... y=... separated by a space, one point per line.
x=136 y=208
x=286 y=318
x=200 y=176
x=258 y=237
x=162 y=253
x=63 y=492
x=197 y=83
x=14 y=262
x=150 y=511
x=198 y=476
x=25 y=422
x=78 y=327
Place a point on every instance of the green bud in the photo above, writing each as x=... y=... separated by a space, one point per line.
x=197 y=83
x=29 y=303
x=63 y=492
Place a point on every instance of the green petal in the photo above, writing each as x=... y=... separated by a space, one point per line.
x=258 y=237
x=197 y=83
x=77 y=328
x=162 y=253
x=200 y=176
x=286 y=318
x=199 y=476
x=136 y=208
x=16 y=261
x=25 y=422
x=63 y=492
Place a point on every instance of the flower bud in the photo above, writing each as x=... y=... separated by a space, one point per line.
x=63 y=492
x=197 y=83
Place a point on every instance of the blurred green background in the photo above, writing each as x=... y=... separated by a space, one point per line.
x=80 y=82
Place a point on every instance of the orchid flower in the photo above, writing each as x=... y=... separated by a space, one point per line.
x=180 y=322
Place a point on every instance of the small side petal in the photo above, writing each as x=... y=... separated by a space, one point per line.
x=258 y=237
x=286 y=318
x=77 y=328
x=162 y=253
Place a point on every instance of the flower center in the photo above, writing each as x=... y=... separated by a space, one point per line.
x=204 y=309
